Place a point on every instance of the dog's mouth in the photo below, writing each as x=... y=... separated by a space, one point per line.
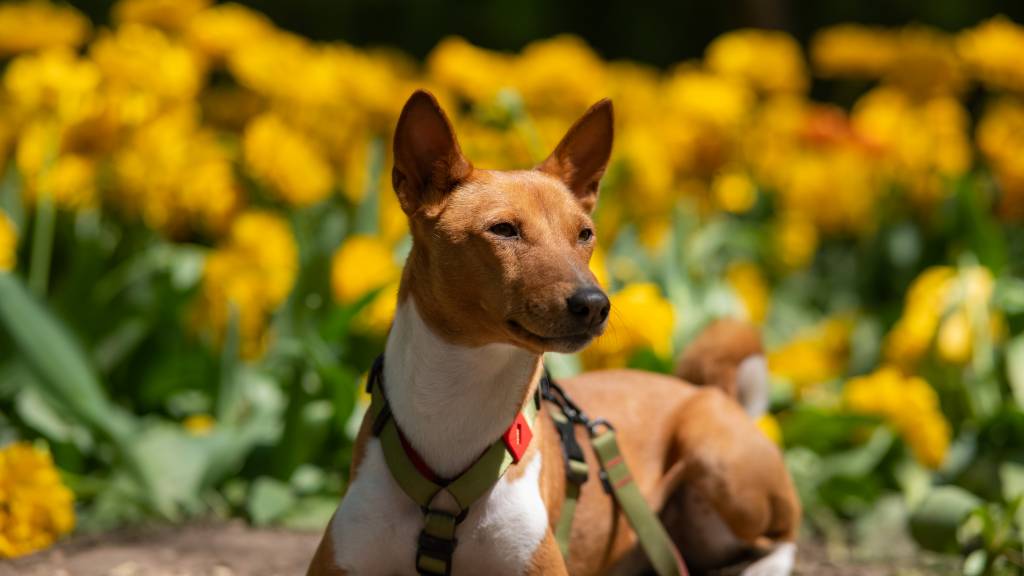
x=566 y=343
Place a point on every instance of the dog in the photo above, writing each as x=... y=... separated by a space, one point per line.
x=497 y=276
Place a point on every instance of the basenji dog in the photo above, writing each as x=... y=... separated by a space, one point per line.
x=497 y=276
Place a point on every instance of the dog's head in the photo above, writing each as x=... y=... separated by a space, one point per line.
x=502 y=256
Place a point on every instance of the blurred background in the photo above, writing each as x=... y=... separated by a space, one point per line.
x=200 y=248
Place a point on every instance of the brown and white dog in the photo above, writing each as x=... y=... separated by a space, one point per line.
x=497 y=276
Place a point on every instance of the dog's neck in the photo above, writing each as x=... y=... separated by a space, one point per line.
x=451 y=401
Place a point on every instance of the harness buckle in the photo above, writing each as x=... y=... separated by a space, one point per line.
x=435 y=547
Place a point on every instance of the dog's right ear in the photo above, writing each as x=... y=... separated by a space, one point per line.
x=428 y=160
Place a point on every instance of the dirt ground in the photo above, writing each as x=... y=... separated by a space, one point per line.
x=238 y=550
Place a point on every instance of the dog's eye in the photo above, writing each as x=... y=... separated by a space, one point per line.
x=586 y=234
x=505 y=230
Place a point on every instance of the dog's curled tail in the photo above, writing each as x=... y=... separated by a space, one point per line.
x=728 y=354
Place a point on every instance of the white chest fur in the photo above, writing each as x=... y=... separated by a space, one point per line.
x=377 y=526
x=451 y=402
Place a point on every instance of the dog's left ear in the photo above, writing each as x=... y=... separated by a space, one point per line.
x=582 y=156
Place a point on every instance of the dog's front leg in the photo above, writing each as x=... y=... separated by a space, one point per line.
x=547 y=559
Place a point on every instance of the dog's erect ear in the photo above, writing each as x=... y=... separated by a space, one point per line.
x=582 y=156
x=428 y=160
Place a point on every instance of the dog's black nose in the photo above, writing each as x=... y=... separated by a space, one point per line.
x=589 y=304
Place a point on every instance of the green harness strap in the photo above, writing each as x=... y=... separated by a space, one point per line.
x=437 y=541
x=617 y=481
x=655 y=541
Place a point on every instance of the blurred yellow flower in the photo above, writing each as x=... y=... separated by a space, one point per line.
x=769 y=426
x=769 y=60
x=641 y=318
x=946 y=306
x=199 y=424
x=376 y=317
x=225 y=28
x=921 y=61
x=362 y=264
x=177 y=177
x=750 y=287
x=1000 y=136
x=145 y=71
x=909 y=405
x=291 y=164
x=560 y=75
x=470 y=72
x=53 y=82
x=992 y=50
x=796 y=241
x=35 y=506
x=252 y=274
x=815 y=356
x=924 y=144
x=853 y=51
x=69 y=180
x=170 y=15
x=734 y=191
x=599 y=267
x=36 y=24
x=8 y=243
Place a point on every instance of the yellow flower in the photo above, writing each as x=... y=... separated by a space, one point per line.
x=599 y=267
x=167 y=14
x=853 y=51
x=251 y=274
x=362 y=264
x=796 y=241
x=919 y=60
x=199 y=424
x=734 y=191
x=34 y=25
x=287 y=161
x=748 y=283
x=472 y=73
x=541 y=75
x=225 y=28
x=35 y=506
x=53 y=82
x=924 y=144
x=815 y=356
x=177 y=177
x=8 y=243
x=947 y=307
x=992 y=52
x=145 y=71
x=1000 y=136
x=909 y=405
x=376 y=317
x=68 y=179
x=769 y=426
x=641 y=318
x=770 y=61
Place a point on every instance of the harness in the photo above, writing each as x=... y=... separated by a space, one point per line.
x=437 y=540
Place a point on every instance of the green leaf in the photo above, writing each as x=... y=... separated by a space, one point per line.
x=64 y=374
x=54 y=356
x=269 y=500
x=1015 y=368
x=311 y=513
x=935 y=521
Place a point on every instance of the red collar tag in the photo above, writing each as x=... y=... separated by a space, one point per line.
x=517 y=437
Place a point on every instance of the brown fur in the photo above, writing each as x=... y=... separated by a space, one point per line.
x=684 y=444
x=712 y=358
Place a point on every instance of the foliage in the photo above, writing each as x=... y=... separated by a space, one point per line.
x=200 y=252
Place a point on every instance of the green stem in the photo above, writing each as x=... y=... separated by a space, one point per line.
x=42 y=245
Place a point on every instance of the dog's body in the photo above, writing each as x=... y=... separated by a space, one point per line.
x=497 y=276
